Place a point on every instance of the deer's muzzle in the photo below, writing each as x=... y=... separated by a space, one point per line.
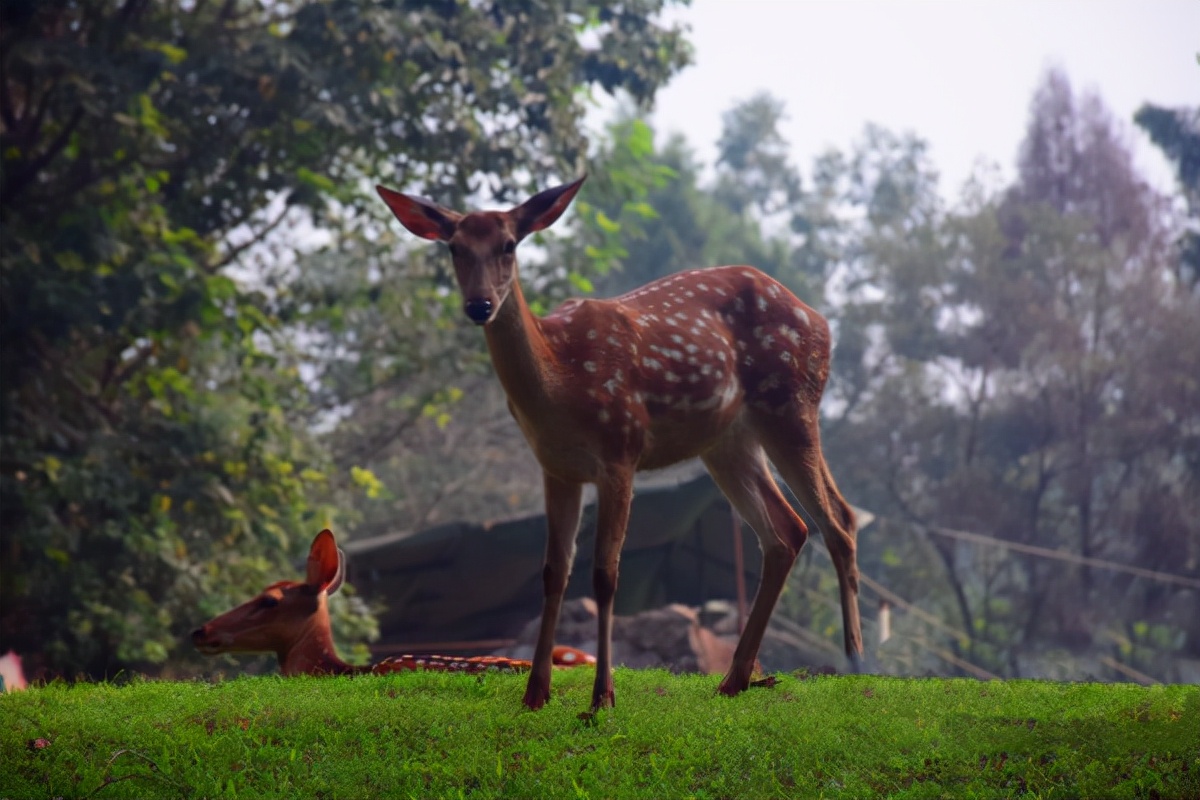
x=478 y=309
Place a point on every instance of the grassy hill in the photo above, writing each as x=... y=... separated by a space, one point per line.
x=429 y=735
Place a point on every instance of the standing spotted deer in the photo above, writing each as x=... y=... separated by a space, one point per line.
x=723 y=363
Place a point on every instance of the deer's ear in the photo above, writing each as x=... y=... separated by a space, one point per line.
x=325 y=570
x=423 y=217
x=340 y=578
x=541 y=210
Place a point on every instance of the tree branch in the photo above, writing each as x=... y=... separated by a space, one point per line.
x=17 y=183
x=6 y=106
x=120 y=374
x=47 y=353
x=367 y=450
x=233 y=254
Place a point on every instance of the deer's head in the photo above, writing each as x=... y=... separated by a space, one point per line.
x=283 y=614
x=483 y=243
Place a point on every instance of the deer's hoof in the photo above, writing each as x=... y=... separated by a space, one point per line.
x=603 y=700
x=536 y=697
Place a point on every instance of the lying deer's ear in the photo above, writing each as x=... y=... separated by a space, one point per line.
x=324 y=562
x=423 y=217
x=541 y=210
x=340 y=578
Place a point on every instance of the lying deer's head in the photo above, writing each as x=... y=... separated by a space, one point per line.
x=282 y=615
x=483 y=243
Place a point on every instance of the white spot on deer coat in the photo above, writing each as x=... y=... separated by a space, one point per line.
x=729 y=393
x=792 y=334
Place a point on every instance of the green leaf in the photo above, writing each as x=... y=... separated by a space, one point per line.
x=307 y=176
x=180 y=236
x=366 y=479
x=221 y=287
x=175 y=55
x=580 y=283
x=607 y=224
x=641 y=139
x=642 y=209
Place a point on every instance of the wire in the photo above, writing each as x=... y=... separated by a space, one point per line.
x=896 y=600
x=931 y=619
x=1128 y=671
x=1058 y=555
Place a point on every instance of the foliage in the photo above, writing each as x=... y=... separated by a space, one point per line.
x=666 y=218
x=1177 y=133
x=755 y=171
x=426 y=734
x=1021 y=368
x=164 y=166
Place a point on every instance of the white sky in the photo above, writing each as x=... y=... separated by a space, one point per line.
x=959 y=73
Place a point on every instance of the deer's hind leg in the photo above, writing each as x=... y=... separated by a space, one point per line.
x=794 y=447
x=614 y=495
x=739 y=467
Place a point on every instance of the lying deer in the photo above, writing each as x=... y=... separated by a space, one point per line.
x=291 y=620
x=725 y=364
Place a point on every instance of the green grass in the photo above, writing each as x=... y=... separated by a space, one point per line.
x=429 y=735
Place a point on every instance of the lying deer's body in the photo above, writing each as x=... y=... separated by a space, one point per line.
x=291 y=620
x=724 y=364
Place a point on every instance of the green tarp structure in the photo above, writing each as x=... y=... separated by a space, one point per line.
x=464 y=586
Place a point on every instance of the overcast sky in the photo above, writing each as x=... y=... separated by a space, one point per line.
x=959 y=73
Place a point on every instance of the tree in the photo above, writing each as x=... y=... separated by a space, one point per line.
x=754 y=170
x=999 y=382
x=1177 y=133
x=164 y=166
x=669 y=221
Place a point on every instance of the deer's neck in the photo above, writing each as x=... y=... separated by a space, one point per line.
x=314 y=653
x=521 y=355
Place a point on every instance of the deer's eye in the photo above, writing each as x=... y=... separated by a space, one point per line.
x=268 y=602
x=510 y=247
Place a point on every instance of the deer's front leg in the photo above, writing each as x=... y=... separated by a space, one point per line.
x=562 y=523
x=612 y=519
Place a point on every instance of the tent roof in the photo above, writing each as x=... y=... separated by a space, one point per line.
x=466 y=581
x=470 y=582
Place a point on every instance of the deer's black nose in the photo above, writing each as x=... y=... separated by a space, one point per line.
x=478 y=309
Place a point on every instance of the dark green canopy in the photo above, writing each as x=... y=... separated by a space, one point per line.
x=465 y=582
